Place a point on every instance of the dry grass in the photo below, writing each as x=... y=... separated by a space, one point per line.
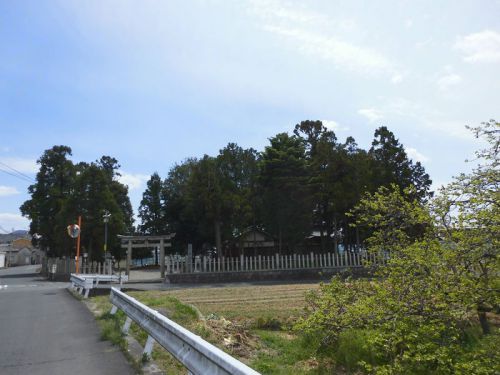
x=241 y=303
x=248 y=322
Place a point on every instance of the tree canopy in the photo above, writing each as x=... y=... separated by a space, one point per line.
x=422 y=312
x=301 y=183
x=64 y=190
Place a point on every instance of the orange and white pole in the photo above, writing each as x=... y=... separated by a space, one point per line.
x=78 y=245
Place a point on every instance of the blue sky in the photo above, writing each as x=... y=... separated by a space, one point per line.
x=154 y=82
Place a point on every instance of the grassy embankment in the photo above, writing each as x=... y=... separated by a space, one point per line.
x=254 y=324
x=251 y=323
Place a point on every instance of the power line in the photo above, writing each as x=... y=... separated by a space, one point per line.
x=16 y=175
x=18 y=172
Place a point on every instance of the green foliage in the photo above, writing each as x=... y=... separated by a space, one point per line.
x=391 y=165
x=441 y=271
x=286 y=196
x=170 y=307
x=111 y=329
x=468 y=214
x=394 y=219
x=63 y=191
x=284 y=354
x=151 y=211
x=212 y=199
x=299 y=183
x=354 y=349
x=269 y=323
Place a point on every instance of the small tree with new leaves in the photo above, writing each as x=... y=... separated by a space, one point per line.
x=442 y=274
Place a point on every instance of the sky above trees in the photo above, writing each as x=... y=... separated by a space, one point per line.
x=152 y=83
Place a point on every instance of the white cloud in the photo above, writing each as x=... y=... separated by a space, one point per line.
x=10 y=221
x=310 y=33
x=403 y=107
x=21 y=164
x=408 y=23
x=415 y=155
x=454 y=128
x=330 y=48
x=333 y=125
x=448 y=80
x=275 y=10
x=133 y=181
x=348 y=25
x=396 y=78
x=482 y=47
x=424 y=43
x=6 y=191
x=371 y=114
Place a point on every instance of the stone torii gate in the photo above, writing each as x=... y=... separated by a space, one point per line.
x=131 y=242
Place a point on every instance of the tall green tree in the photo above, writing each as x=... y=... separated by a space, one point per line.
x=392 y=165
x=176 y=197
x=287 y=204
x=338 y=174
x=63 y=191
x=239 y=172
x=53 y=185
x=207 y=201
x=93 y=195
x=320 y=145
x=151 y=210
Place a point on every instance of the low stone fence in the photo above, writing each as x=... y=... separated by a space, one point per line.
x=296 y=275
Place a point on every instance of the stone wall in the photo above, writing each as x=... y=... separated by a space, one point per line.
x=312 y=274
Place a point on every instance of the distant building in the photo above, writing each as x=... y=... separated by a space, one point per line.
x=22 y=243
x=254 y=241
x=20 y=252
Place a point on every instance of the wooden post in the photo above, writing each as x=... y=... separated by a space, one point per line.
x=129 y=256
x=189 y=258
x=162 y=258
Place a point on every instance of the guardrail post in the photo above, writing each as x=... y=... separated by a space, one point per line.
x=114 y=309
x=148 y=348
x=126 y=325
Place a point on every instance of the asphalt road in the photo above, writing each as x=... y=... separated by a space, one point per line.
x=45 y=331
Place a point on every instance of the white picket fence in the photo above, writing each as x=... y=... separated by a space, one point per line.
x=177 y=264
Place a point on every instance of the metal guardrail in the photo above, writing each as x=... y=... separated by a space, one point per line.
x=97 y=278
x=85 y=282
x=199 y=356
x=81 y=284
